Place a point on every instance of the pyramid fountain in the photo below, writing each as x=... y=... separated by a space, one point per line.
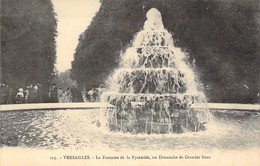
x=154 y=89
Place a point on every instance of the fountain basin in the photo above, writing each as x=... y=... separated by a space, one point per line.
x=74 y=129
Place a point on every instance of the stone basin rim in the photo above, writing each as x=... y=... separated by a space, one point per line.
x=55 y=106
x=102 y=105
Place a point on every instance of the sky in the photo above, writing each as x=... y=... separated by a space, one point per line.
x=73 y=18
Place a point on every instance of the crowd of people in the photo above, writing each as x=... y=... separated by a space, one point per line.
x=17 y=95
x=35 y=94
x=75 y=94
x=67 y=95
x=93 y=95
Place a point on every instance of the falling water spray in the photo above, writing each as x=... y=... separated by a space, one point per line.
x=154 y=88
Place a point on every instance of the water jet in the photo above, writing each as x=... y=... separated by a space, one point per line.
x=154 y=88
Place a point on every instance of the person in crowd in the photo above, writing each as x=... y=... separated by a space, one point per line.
x=33 y=94
x=4 y=93
x=54 y=94
x=11 y=96
x=26 y=96
x=60 y=95
x=68 y=95
x=87 y=96
x=76 y=94
x=19 y=96
x=63 y=96
x=99 y=92
x=35 y=88
x=95 y=94
x=40 y=94
x=91 y=95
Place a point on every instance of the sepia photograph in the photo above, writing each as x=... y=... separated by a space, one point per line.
x=130 y=82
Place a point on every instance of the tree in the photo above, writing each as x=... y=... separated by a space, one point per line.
x=28 y=49
x=222 y=37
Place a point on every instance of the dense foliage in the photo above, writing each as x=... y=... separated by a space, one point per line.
x=63 y=80
x=221 y=37
x=28 y=49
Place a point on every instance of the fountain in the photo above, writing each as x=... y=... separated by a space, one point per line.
x=154 y=88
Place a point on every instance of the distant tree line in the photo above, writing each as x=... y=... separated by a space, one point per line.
x=28 y=49
x=63 y=80
x=221 y=37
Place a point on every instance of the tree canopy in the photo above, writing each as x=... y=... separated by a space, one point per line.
x=221 y=37
x=28 y=49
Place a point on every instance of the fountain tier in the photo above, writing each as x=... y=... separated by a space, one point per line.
x=160 y=80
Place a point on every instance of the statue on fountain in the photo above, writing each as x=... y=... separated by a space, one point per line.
x=154 y=89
